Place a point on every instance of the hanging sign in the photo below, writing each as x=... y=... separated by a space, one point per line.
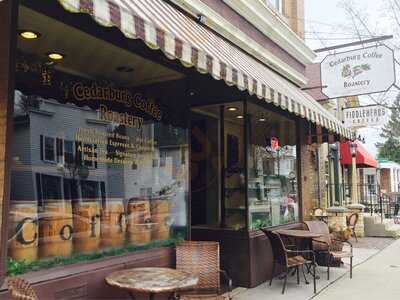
x=363 y=71
x=365 y=116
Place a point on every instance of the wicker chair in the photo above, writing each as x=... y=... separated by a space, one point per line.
x=202 y=259
x=351 y=222
x=328 y=245
x=318 y=211
x=20 y=289
x=288 y=259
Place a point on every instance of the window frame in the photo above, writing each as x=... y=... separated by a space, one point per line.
x=43 y=148
x=64 y=150
x=39 y=186
x=82 y=182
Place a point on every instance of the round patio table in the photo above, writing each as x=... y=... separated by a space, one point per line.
x=151 y=280
x=300 y=234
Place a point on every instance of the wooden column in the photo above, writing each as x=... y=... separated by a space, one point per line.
x=8 y=17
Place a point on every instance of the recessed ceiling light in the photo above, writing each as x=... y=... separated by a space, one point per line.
x=56 y=55
x=262 y=119
x=232 y=108
x=125 y=69
x=29 y=34
x=239 y=117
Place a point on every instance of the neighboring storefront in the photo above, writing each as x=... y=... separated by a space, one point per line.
x=366 y=165
x=389 y=173
x=114 y=148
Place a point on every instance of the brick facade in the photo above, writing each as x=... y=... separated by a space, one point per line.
x=294 y=11
x=308 y=180
x=246 y=27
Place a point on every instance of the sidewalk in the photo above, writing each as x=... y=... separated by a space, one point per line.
x=377 y=278
x=365 y=251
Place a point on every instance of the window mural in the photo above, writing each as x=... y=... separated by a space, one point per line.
x=97 y=170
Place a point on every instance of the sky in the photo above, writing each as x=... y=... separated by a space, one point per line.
x=328 y=24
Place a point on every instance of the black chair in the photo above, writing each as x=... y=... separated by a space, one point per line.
x=289 y=259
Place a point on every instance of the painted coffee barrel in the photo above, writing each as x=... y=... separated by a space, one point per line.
x=56 y=229
x=86 y=226
x=139 y=221
x=161 y=216
x=23 y=231
x=113 y=224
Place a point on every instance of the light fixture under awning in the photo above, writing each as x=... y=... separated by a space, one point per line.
x=163 y=27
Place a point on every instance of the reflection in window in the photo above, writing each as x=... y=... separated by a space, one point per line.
x=49 y=149
x=117 y=181
x=235 y=199
x=89 y=155
x=69 y=152
x=272 y=173
x=49 y=187
x=90 y=190
x=218 y=181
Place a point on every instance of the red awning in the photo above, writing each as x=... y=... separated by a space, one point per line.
x=363 y=158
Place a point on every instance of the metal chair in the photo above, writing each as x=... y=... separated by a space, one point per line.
x=20 y=289
x=328 y=245
x=288 y=259
x=202 y=259
x=351 y=222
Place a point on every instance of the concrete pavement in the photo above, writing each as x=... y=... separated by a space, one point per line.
x=371 y=266
x=376 y=278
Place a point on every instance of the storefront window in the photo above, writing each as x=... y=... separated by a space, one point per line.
x=234 y=162
x=221 y=135
x=99 y=157
x=218 y=159
x=272 y=169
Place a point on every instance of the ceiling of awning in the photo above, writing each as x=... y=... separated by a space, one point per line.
x=163 y=27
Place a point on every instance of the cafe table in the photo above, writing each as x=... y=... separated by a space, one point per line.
x=299 y=234
x=305 y=235
x=151 y=280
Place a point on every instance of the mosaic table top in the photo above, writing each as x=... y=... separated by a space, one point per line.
x=152 y=280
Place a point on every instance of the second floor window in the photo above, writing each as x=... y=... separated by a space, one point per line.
x=48 y=148
x=69 y=152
